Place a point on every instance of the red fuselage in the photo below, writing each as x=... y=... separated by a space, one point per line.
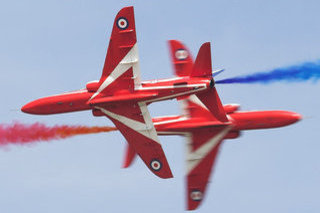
x=175 y=125
x=150 y=91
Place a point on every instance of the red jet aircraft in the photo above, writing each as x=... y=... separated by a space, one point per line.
x=204 y=131
x=123 y=98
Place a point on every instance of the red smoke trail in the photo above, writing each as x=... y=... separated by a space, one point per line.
x=18 y=133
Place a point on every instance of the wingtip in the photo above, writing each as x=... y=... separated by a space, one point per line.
x=125 y=166
x=165 y=174
x=193 y=205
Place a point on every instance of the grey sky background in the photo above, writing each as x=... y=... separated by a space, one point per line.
x=49 y=47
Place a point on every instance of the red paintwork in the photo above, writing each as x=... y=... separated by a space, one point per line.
x=121 y=97
x=205 y=128
x=120 y=43
x=233 y=134
x=125 y=97
x=78 y=101
x=239 y=121
x=129 y=157
x=182 y=67
x=202 y=126
x=147 y=148
x=198 y=178
x=263 y=119
x=69 y=102
x=202 y=66
x=92 y=86
x=122 y=89
x=230 y=108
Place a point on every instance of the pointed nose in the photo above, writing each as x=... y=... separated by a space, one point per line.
x=295 y=117
x=29 y=108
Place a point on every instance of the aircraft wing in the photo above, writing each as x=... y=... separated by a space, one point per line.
x=134 y=122
x=121 y=68
x=116 y=99
x=202 y=149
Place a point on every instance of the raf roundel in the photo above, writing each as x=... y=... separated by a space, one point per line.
x=122 y=23
x=196 y=195
x=155 y=165
x=181 y=54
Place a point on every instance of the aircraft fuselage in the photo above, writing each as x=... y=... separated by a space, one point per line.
x=241 y=120
x=150 y=91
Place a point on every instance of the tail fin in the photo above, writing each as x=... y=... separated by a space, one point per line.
x=194 y=108
x=181 y=58
x=211 y=100
x=202 y=66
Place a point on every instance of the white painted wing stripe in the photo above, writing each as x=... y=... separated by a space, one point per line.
x=148 y=120
x=130 y=60
x=144 y=129
x=184 y=108
x=194 y=158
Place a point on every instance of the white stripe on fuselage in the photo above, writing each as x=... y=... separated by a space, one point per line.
x=171 y=86
x=148 y=81
x=175 y=95
x=160 y=80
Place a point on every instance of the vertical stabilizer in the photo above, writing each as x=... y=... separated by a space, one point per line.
x=211 y=100
x=202 y=66
x=181 y=58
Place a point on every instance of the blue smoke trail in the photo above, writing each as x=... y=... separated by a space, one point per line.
x=298 y=73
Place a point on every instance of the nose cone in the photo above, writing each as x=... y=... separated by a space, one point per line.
x=295 y=117
x=287 y=118
x=30 y=108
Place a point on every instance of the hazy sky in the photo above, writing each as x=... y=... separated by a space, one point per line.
x=49 y=47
